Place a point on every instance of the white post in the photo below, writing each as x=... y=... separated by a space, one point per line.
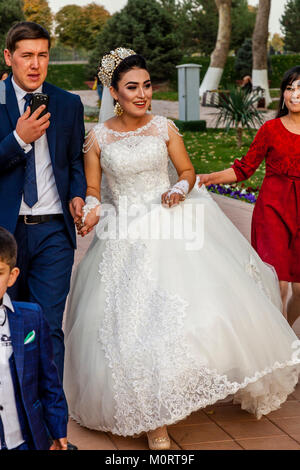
x=188 y=92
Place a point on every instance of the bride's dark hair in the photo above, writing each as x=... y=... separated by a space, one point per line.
x=131 y=62
x=289 y=77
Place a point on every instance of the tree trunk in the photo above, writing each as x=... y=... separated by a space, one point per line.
x=260 y=48
x=218 y=58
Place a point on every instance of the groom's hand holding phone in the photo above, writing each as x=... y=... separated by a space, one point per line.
x=31 y=127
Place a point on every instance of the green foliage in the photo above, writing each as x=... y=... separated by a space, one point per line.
x=78 y=27
x=68 y=76
x=216 y=150
x=59 y=52
x=146 y=28
x=10 y=12
x=197 y=23
x=237 y=109
x=39 y=12
x=290 y=21
x=193 y=126
x=280 y=64
x=243 y=61
x=243 y=21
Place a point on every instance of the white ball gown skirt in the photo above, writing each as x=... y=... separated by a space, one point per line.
x=159 y=328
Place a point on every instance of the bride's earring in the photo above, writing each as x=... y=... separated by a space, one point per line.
x=150 y=107
x=283 y=104
x=118 y=110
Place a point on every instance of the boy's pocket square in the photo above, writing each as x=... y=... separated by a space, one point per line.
x=30 y=337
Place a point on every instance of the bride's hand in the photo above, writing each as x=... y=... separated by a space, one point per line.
x=91 y=220
x=171 y=200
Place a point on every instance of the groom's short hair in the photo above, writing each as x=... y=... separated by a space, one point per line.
x=25 y=30
x=8 y=248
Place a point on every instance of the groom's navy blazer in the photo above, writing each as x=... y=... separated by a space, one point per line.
x=65 y=137
x=40 y=400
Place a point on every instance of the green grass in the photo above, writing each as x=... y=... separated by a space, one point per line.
x=68 y=76
x=215 y=150
x=165 y=95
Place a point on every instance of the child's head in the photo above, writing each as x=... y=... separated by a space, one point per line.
x=8 y=259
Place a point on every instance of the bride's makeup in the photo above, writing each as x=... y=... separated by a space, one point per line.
x=135 y=92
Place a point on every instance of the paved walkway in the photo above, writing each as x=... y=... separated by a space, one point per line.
x=223 y=426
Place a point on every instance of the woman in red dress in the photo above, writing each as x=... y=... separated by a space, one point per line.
x=275 y=232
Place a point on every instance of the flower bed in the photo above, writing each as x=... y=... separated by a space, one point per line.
x=242 y=193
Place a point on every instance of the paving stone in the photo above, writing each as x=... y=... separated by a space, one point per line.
x=86 y=439
x=220 y=445
x=188 y=435
x=269 y=443
x=247 y=429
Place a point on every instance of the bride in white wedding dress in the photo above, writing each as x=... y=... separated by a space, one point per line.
x=161 y=325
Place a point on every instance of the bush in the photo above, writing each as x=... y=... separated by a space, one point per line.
x=280 y=64
x=193 y=126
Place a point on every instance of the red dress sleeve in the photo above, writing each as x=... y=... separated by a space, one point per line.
x=248 y=164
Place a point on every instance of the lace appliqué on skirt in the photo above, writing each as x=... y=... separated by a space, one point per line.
x=155 y=378
x=253 y=271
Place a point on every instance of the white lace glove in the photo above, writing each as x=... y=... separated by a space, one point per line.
x=91 y=202
x=181 y=187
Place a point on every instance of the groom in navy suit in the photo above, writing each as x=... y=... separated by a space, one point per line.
x=42 y=183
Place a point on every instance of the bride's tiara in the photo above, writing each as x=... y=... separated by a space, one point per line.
x=110 y=62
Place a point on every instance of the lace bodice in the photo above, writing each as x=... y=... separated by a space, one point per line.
x=134 y=163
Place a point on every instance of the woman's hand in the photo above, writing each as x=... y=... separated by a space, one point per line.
x=91 y=220
x=205 y=179
x=170 y=200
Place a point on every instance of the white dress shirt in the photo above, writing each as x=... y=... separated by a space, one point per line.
x=48 y=198
x=8 y=410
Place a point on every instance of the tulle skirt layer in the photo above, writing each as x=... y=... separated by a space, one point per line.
x=158 y=327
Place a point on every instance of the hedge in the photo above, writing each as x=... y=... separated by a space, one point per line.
x=68 y=76
x=73 y=76
x=193 y=126
x=280 y=64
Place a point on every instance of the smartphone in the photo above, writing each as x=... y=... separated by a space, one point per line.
x=37 y=100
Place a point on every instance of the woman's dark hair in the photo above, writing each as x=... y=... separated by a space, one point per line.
x=25 y=30
x=2 y=72
x=131 y=62
x=289 y=77
x=8 y=248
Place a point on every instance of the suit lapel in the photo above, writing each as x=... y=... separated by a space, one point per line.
x=51 y=131
x=11 y=102
x=16 y=325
